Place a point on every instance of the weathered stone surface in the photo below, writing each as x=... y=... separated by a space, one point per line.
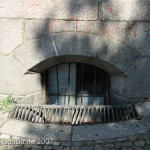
x=77 y=44
x=4 y=136
x=36 y=148
x=137 y=83
x=44 y=65
x=18 y=146
x=139 y=38
x=48 y=147
x=3 y=118
x=37 y=28
x=94 y=46
x=10 y=147
x=117 y=54
x=35 y=51
x=121 y=139
x=94 y=27
x=98 y=147
x=115 y=30
x=99 y=141
x=146 y=147
x=10 y=9
x=56 y=143
x=11 y=35
x=125 y=10
x=78 y=143
x=139 y=143
x=27 y=146
x=36 y=131
x=147 y=141
x=127 y=144
x=118 y=144
x=66 y=143
x=66 y=148
x=132 y=138
x=12 y=78
x=87 y=147
x=144 y=109
x=75 y=147
x=109 y=145
x=57 y=148
x=18 y=99
x=106 y=131
x=118 y=84
x=86 y=9
x=35 y=98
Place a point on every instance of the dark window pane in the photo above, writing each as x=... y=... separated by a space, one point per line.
x=87 y=75
x=52 y=80
x=76 y=84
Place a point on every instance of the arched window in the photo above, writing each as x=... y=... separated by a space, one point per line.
x=77 y=84
x=82 y=93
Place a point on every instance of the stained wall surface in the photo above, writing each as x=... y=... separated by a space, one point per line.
x=111 y=34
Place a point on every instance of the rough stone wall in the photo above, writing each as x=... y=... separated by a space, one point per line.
x=111 y=34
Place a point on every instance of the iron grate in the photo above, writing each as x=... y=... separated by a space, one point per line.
x=74 y=114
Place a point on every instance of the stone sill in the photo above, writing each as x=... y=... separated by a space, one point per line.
x=73 y=133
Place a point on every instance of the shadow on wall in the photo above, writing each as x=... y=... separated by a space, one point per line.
x=66 y=38
x=61 y=46
x=62 y=41
x=101 y=51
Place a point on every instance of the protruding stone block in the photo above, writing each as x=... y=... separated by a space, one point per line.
x=10 y=35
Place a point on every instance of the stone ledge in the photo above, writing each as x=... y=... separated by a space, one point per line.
x=33 y=130
x=106 y=131
x=80 y=133
x=137 y=141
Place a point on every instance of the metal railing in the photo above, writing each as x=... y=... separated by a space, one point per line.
x=74 y=114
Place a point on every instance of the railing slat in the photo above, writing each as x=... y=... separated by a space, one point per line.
x=74 y=114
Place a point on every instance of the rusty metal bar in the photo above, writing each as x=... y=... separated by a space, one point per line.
x=74 y=114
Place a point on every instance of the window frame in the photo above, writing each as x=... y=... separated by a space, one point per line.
x=106 y=93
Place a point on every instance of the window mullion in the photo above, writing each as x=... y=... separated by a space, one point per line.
x=69 y=84
x=82 y=84
x=94 y=84
x=57 y=83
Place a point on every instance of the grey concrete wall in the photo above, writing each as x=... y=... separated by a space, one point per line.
x=111 y=34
